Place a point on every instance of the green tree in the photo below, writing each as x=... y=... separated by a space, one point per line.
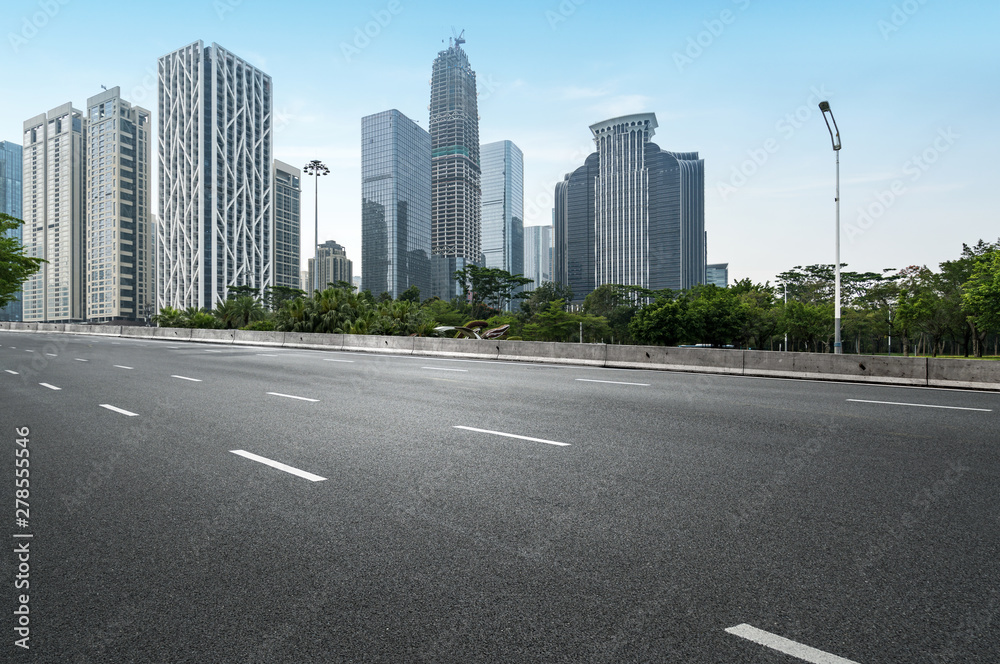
x=543 y=296
x=617 y=304
x=276 y=296
x=411 y=294
x=15 y=267
x=239 y=312
x=981 y=298
x=715 y=315
x=662 y=323
x=490 y=288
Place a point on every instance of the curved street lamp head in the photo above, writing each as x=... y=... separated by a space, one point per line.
x=824 y=106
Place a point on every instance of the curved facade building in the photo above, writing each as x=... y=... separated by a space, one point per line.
x=455 y=167
x=633 y=214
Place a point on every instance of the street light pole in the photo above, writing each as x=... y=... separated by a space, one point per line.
x=824 y=106
x=316 y=168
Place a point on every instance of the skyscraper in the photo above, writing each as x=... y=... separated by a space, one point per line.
x=395 y=204
x=287 y=225
x=503 y=206
x=216 y=215
x=537 y=255
x=633 y=214
x=334 y=266
x=10 y=203
x=119 y=262
x=718 y=274
x=53 y=206
x=455 y=168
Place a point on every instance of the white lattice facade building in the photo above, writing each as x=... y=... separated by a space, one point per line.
x=216 y=226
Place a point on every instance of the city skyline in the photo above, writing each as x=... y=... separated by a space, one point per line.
x=915 y=120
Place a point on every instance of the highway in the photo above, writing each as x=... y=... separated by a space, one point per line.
x=193 y=502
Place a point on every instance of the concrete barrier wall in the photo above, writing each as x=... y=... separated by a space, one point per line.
x=260 y=338
x=547 y=351
x=4 y=324
x=702 y=360
x=105 y=330
x=827 y=366
x=178 y=333
x=314 y=340
x=377 y=344
x=213 y=336
x=980 y=374
x=138 y=332
x=51 y=327
x=479 y=349
x=24 y=327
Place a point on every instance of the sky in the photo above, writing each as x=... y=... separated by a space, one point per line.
x=914 y=86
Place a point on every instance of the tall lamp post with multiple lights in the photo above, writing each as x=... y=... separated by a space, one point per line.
x=317 y=168
x=831 y=125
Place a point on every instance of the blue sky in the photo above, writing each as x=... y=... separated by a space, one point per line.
x=913 y=85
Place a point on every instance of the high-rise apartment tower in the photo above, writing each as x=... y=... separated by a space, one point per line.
x=216 y=218
x=11 y=163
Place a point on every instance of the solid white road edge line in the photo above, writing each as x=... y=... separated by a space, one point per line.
x=291 y=396
x=919 y=405
x=121 y=366
x=445 y=369
x=787 y=646
x=13 y=373
x=330 y=360
x=612 y=382
x=193 y=380
x=279 y=466
x=118 y=410
x=51 y=387
x=78 y=359
x=514 y=435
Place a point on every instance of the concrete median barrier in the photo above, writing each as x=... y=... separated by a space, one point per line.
x=213 y=336
x=314 y=340
x=51 y=327
x=978 y=374
x=557 y=353
x=138 y=332
x=4 y=325
x=259 y=338
x=24 y=327
x=365 y=343
x=478 y=349
x=177 y=333
x=702 y=360
x=828 y=366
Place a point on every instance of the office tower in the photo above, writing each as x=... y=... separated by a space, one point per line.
x=287 y=225
x=455 y=168
x=53 y=207
x=395 y=204
x=216 y=218
x=503 y=206
x=119 y=260
x=718 y=274
x=10 y=203
x=633 y=214
x=537 y=255
x=333 y=267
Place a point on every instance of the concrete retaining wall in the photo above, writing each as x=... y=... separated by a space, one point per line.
x=979 y=374
x=176 y=333
x=137 y=332
x=51 y=327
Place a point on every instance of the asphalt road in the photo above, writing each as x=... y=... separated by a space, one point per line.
x=837 y=522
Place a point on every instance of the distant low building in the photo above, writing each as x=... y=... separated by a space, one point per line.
x=718 y=274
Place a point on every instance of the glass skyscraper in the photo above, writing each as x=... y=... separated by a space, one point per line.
x=503 y=206
x=537 y=255
x=455 y=167
x=287 y=225
x=395 y=205
x=10 y=203
x=633 y=214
